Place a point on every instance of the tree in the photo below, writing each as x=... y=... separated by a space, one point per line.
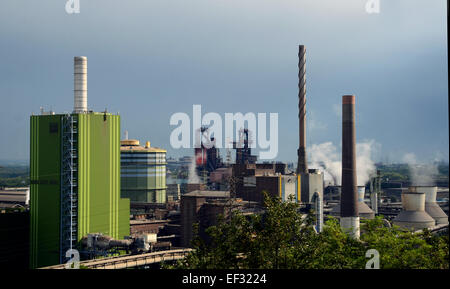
x=404 y=249
x=283 y=238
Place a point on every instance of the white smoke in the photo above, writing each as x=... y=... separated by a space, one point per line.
x=420 y=174
x=327 y=158
x=193 y=177
x=365 y=167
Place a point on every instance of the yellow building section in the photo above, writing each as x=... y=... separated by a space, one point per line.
x=280 y=191
x=289 y=186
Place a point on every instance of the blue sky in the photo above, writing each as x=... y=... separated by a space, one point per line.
x=150 y=59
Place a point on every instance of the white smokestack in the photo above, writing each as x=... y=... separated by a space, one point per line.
x=80 y=84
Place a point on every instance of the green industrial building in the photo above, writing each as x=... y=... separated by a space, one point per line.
x=74 y=182
x=143 y=172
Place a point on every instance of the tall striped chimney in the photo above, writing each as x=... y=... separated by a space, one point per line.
x=349 y=194
x=80 y=84
x=302 y=165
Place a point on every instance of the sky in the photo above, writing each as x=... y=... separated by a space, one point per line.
x=150 y=59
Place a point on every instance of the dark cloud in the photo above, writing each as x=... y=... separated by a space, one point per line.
x=149 y=59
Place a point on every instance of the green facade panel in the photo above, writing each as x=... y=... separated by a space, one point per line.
x=100 y=207
x=45 y=166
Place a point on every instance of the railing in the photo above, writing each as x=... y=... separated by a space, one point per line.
x=129 y=261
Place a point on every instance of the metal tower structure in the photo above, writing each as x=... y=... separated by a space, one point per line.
x=69 y=185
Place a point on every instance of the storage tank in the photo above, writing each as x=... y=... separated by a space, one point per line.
x=142 y=172
x=364 y=211
x=413 y=215
x=363 y=208
x=431 y=207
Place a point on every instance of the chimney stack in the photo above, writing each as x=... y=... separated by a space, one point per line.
x=349 y=195
x=80 y=84
x=302 y=165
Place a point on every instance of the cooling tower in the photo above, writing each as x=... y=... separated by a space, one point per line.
x=364 y=211
x=363 y=208
x=431 y=207
x=413 y=215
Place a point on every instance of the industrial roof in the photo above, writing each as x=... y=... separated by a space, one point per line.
x=132 y=146
x=143 y=222
x=13 y=196
x=52 y=113
x=208 y=194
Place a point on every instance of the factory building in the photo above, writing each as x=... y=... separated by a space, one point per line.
x=173 y=192
x=207 y=157
x=14 y=197
x=251 y=180
x=74 y=178
x=220 y=178
x=243 y=149
x=205 y=209
x=188 y=187
x=190 y=206
x=143 y=172
x=310 y=183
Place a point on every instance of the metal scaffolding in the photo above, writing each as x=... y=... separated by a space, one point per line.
x=69 y=185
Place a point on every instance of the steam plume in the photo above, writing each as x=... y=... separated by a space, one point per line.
x=193 y=178
x=326 y=158
x=420 y=174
